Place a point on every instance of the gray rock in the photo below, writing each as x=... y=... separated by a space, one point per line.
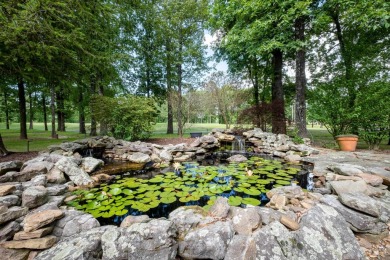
x=237 y=158
x=41 y=167
x=139 y=158
x=322 y=191
x=70 y=167
x=10 y=200
x=187 y=218
x=166 y=155
x=13 y=213
x=358 y=222
x=245 y=221
x=18 y=176
x=349 y=186
x=14 y=254
x=72 y=147
x=8 y=231
x=39 y=180
x=220 y=208
x=152 y=240
x=53 y=203
x=86 y=245
x=381 y=172
x=209 y=242
x=292 y=158
x=73 y=223
x=90 y=164
x=10 y=166
x=130 y=220
x=241 y=248
x=361 y=202
x=34 y=196
x=324 y=234
x=269 y=215
x=288 y=191
x=57 y=190
x=347 y=169
x=208 y=139
x=55 y=175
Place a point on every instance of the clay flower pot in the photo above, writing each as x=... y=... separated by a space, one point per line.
x=347 y=142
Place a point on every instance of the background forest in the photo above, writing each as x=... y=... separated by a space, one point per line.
x=117 y=67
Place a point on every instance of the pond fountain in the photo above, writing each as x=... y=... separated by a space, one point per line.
x=156 y=195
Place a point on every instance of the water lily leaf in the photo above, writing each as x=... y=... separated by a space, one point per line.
x=252 y=192
x=234 y=201
x=93 y=205
x=115 y=191
x=107 y=202
x=128 y=192
x=168 y=200
x=121 y=212
x=89 y=196
x=251 y=201
x=102 y=197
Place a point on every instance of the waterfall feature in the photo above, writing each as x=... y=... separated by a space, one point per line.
x=238 y=144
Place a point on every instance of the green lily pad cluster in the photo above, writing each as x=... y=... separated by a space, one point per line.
x=242 y=183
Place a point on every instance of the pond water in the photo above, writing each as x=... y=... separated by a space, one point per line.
x=156 y=195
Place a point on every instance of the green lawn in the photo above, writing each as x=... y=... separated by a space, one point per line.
x=40 y=139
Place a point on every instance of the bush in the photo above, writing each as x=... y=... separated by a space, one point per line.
x=128 y=117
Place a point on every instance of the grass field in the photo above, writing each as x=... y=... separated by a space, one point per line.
x=40 y=139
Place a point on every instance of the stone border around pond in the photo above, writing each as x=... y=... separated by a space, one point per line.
x=294 y=225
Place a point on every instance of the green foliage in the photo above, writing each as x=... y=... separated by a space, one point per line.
x=128 y=117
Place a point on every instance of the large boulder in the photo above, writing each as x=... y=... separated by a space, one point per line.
x=139 y=158
x=55 y=175
x=70 y=167
x=74 y=222
x=90 y=164
x=151 y=240
x=220 y=208
x=349 y=186
x=245 y=221
x=208 y=242
x=361 y=202
x=10 y=166
x=237 y=158
x=187 y=218
x=34 y=196
x=241 y=247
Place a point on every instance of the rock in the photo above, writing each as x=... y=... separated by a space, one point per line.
x=34 y=196
x=220 y=208
x=371 y=179
x=72 y=147
x=324 y=234
x=292 y=158
x=237 y=158
x=358 y=222
x=13 y=213
x=57 y=190
x=290 y=223
x=70 y=168
x=241 y=247
x=166 y=155
x=12 y=254
x=10 y=166
x=39 y=180
x=288 y=191
x=245 y=221
x=322 y=191
x=349 y=186
x=381 y=172
x=130 y=220
x=347 y=169
x=86 y=245
x=33 y=234
x=209 y=242
x=7 y=189
x=152 y=240
x=361 y=202
x=208 y=139
x=37 y=167
x=35 y=221
x=38 y=243
x=74 y=222
x=314 y=196
x=53 y=203
x=278 y=201
x=9 y=200
x=269 y=215
x=55 y=175
x=139 y=158
x=90 y=164
x=8 y=231
x=187 y=218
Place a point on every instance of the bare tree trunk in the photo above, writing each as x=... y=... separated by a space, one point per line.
x=103 y=125
x=6 y=108
x=53 y=111
x=169 y=90
x=179 y=86
x=60 y=110
x=44 y=111
x=278 y=116
x=93 y=120
x=300 y=79
x=81 y=112
x=22 y=109
x=3 y=150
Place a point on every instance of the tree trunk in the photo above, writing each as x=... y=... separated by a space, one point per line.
x=60 y=110
x=3 y=150
x=6 y=109
x=93 y=120
x=169 y=91
x=81 y=112
x=44 y=112
x=31 y=112
x=180 y=124
x=53 y=111
x=22 y=109
x=278 y=116
x=300 y=80
x=103 y=124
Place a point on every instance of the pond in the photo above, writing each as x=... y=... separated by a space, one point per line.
x=188 y=183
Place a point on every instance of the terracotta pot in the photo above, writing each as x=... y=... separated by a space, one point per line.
x=347 y=142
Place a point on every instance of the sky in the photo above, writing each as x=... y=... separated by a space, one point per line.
x=209 y=40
